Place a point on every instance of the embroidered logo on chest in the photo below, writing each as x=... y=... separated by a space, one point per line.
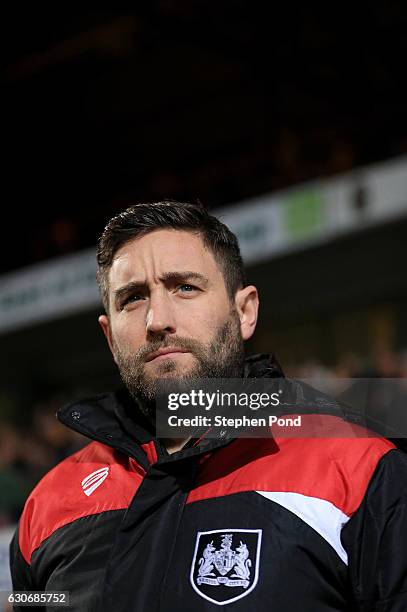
x=225 y=566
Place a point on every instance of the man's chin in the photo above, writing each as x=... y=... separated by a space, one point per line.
x=179 y=367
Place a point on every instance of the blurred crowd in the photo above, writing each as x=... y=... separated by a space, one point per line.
x=384 y=364
x=26 y=454
x=293 y=158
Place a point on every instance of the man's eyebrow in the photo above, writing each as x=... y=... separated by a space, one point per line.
x=133 y=286
x=129 y=288
x=183 y=276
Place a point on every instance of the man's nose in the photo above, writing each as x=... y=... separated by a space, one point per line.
x=160 y=316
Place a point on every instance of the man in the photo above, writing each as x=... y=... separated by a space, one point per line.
x=135 y=523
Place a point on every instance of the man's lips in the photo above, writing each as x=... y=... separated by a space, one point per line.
x=165 y=352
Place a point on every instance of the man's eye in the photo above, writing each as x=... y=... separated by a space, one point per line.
x=130 y=299
x=187 y=288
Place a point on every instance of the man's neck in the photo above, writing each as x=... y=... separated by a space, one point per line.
x=174 y=444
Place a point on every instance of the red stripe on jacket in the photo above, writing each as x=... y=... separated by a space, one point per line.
x=336 y=469
x=59 y=498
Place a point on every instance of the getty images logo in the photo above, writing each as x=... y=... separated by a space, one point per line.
x=94 y=480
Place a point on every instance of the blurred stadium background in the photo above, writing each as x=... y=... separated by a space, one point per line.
x=291 y=126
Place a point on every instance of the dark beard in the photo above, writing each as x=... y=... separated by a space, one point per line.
x=223 y=357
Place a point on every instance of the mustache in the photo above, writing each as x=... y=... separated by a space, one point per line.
x=186 y=344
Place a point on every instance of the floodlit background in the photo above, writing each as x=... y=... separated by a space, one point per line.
x=289 y=124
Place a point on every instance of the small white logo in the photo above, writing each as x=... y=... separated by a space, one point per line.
x=94 y=480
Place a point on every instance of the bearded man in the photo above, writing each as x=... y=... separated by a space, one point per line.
x=137 y=523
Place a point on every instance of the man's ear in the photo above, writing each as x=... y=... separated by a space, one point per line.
x=247 y=306
x=105 y=325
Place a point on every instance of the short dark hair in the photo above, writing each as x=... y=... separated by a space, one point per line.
x=141 y=219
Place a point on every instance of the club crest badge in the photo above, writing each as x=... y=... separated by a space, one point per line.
x=225 y=566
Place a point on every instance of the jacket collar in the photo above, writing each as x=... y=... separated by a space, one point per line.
x=116 y=420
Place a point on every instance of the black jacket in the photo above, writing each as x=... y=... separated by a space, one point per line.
x=290 y=524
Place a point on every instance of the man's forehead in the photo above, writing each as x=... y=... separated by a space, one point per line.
x=162 y=251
